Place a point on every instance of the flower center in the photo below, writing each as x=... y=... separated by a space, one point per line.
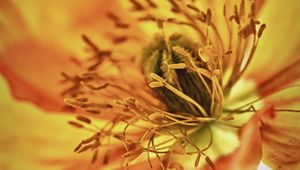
x=190 y=79
x=173 y=62
x=185 y=77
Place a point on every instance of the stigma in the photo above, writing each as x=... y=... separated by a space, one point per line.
x=174 y=69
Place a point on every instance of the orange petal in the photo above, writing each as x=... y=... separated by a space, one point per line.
x=37 y=43
x=32 y=139
x=279 y=79
x=32 y=74
x=280 y=42
x=248 y=155
x=281 y=141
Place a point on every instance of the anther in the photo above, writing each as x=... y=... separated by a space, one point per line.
x=157 y=78
x=75 y=124
x=177 y=66
x=227 y=118
x=175 y=8
x=253 y=27
x=160 y=23
x=85 y=148
x=236 y=15
x=95 y=156
x=113 y=17
x=197 y=161
x=90 y=43
x=92 y=87
x=156 y=115
x=76 y=61
x=261 y=30
x=208 y=17
x=216 y=72
x=151 y=3
x=121 y=25
x=210 y=162
x=224 y=10
x=84 y=119
x=93 y=111
x=105 y=159
x=242 y=8
x=156 y=84
x=72 y=102
x=120 y=39
x=179 y=93
x=136 y=5
x=202 y=55
x=193 y=7
x=88 y=74
x=181 y=51
x=252 y=12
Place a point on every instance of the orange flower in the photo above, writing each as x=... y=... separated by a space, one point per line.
x=196 y=70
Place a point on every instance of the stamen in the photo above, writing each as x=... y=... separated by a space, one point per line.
x=178 y=71
x=197 y=160
x=151 y=3
x=156 y=115
x=106 y=158
x=136 y=5
x=224 y=10
x=73 y=102
x=92 y=87
x=95 y=156
x=120 y=39
x=75 y=124
x=227 y=118
x=208 y=17
x=177 y=66
x=175 y=7
x=84 y=119
x=210 y=162
x=85 y=148
x=88 y=75
x=236 y=15
x=92 y=110
x=158 y=78
x=156 y=84
x=75 y=61
x=193 y=7
x=242 y=8
x=90 y=43
x=184 y=53
x=113 y=17
x=252 y=10
x=203 y=56
x=261 y=30
x=179 y=93
x=121 y=25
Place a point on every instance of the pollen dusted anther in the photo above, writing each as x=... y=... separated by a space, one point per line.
x=185 y=72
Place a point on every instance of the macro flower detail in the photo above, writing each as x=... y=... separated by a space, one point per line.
x=174 y=84
x=186 y=74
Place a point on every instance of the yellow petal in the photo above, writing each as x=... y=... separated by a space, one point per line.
x=32 y=139
x=280 y=42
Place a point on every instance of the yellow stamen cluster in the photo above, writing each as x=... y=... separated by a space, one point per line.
x=157 y=130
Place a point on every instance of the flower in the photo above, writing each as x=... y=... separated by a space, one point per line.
x=115 y=74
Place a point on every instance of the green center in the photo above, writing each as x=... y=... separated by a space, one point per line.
x=156 y=58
